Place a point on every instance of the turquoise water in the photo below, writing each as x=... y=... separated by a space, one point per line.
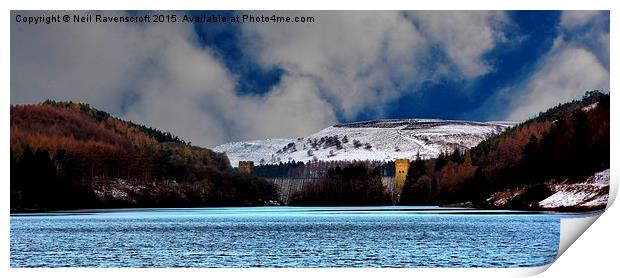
x=284 y=237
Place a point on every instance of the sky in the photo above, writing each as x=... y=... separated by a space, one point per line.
x=211 y=83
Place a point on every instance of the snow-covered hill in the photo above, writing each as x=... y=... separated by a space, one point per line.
x=370 y=140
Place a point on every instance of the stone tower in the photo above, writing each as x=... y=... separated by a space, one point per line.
x=402 y=167
x=246 y=167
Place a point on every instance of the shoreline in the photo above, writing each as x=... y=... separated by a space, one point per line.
x=473 y=210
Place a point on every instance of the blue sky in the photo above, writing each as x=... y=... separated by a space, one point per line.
x=529 y=37
x=214 y=83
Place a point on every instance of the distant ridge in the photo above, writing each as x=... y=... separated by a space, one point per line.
x=381 y=140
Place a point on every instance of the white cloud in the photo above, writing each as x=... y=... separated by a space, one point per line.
x=363 y=60
x=346 y=63
x=73 y=61
x=464 y=36
x=588 y=29
x=349 y=56
x=603 y=49
x=576 y=19
x=294 y=108
x=564 y=76
x=578 y=62
x=176 y=84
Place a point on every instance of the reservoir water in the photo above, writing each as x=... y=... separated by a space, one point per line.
x=284 y=237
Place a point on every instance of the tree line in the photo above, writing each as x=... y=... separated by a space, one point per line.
x=67 y=155
x=568 y=142
x=355 y=184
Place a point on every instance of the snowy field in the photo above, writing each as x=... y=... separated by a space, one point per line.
x=593 y=193
x=381 y=140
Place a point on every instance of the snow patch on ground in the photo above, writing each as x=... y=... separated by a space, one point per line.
x=500 y=199
x=600 y=179
x=589 y=107
x=591 y=194
x=388 y=140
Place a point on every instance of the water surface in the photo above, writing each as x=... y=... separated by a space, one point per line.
x=284 y=237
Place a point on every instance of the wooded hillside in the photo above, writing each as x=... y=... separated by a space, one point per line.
x=568 y=142
x=70 y=155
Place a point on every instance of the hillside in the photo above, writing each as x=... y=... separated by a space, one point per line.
x=70 y=155
x=380 y=140
x=556 y=152
x=591 y=194
x=567 y=142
